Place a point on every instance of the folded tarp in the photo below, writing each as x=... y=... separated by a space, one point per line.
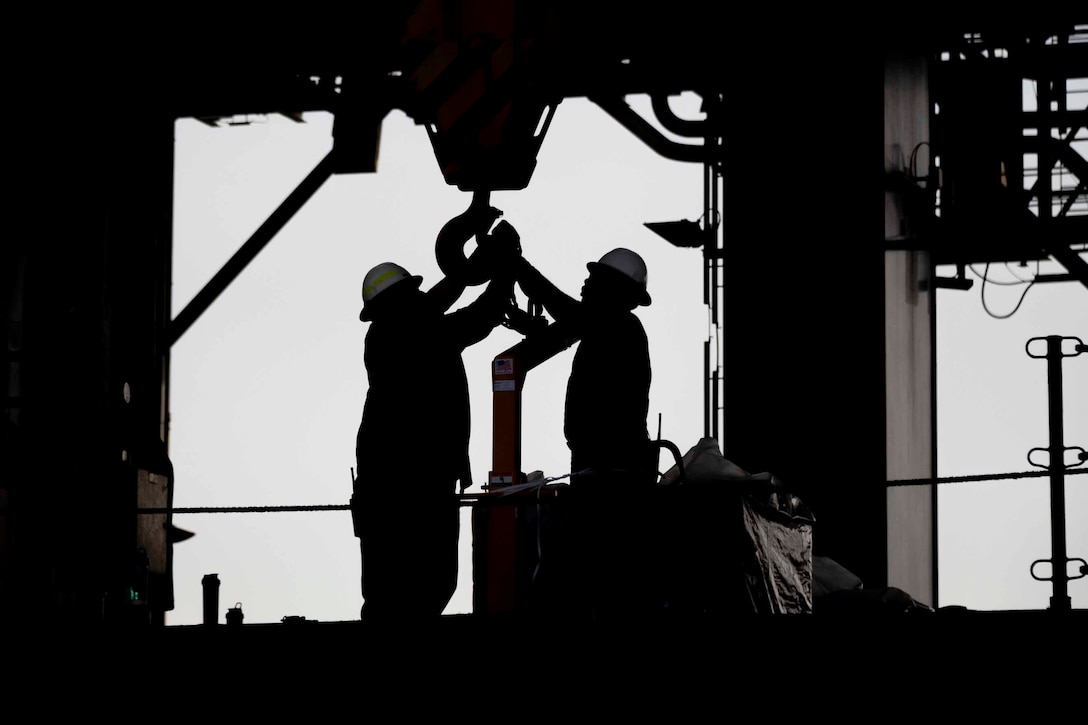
x=733 y=541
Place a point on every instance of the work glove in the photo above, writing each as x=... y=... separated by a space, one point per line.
x=507 y=237
x=502 y=249
x=504 y=243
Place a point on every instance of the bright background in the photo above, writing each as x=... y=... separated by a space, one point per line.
x=267 y=387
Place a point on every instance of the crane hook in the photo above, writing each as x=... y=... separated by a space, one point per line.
x=449 y=248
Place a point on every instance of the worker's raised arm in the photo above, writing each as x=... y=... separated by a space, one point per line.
x=445 y=293
x=539 y=288
x=475 y=321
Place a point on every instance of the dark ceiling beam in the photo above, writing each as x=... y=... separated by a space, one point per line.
x=1069 y=259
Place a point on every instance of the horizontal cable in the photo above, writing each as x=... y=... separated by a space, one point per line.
x=505 y=491
x=463 y=497
x=994 y=477
x=469 y=498
x=242 y=509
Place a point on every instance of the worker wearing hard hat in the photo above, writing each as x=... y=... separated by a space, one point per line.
x=412 y=443
x=612 y=459
x=608 y=391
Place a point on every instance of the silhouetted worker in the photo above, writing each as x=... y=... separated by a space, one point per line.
x=613 y=463
x=412 y=444
x=608 y=391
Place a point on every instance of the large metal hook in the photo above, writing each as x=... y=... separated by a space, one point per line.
x=449 y=248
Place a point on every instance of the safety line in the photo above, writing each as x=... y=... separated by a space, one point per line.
x=345 y=507
x=540 y=484
x=965 y=479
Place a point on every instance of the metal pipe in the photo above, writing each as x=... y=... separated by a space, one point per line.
x=673 y=123
x=707 y=383
x=715 y=422
x=636 y=124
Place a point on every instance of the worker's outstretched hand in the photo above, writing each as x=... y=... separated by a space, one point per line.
x=507 y=238
x=503 y=248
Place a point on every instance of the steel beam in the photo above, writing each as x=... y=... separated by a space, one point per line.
x=248 y=251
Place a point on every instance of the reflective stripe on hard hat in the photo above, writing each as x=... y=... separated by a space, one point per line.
x=380 y=278
x=369 y=290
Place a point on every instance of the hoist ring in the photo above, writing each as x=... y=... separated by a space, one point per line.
x=449 y=248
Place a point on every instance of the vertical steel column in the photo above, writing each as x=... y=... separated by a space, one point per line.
x=1059 y=560
x=1060 y=600
x=1045 y=160
x=710 y=299
x=713 y=258
x=706 y=382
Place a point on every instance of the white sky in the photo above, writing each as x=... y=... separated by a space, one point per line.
x=267 y=386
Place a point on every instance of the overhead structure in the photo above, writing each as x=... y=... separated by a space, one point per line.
x=1004 y=177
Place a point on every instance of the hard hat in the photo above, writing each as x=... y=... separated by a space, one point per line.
x=630 y=265
x=380 y=278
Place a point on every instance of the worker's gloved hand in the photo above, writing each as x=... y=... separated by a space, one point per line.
x=506 y=238
x=524 y=321
x=504 y=246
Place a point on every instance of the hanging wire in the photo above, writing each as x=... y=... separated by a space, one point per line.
x=984 y=276
x=1020 y=280
x=982 y=289
x=912 y=167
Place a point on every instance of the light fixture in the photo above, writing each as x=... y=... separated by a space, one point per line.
x=683 y=233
